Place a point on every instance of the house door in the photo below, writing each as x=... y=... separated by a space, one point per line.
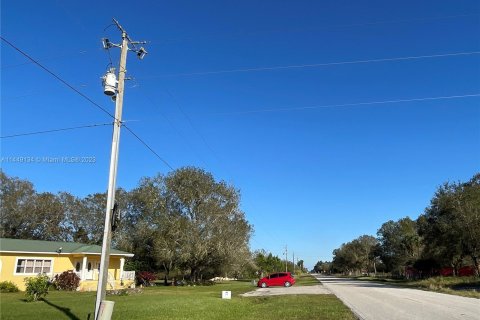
x=89 y=271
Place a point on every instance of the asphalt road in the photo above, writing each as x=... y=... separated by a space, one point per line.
x=375 y=301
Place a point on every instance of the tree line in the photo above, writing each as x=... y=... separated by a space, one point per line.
x=446 y=234
x=265 y=263
x=184 y=221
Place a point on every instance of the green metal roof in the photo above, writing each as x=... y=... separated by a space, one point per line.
x=41 y=246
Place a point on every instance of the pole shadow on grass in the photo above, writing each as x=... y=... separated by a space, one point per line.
x=66 y=311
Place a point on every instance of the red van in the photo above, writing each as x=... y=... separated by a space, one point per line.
x=277 y=279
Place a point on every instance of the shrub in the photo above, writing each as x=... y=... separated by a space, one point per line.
x=145 y=278
x=8 y=286
x=67 y=280
x=137 y=266
x=36 y=287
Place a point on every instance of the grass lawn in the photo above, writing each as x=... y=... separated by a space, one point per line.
x=179 y=303
x=306 y=280
x=461 y=286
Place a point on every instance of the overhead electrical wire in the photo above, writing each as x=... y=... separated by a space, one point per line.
x=48 y=58
x=180 y=134
x=212 y=151
x=320 y=28
x=148 y=147
x=349 y=104
x=177 y=104
x=55 y=130
x=316 y=65
x=87 y=98
x=57 y=77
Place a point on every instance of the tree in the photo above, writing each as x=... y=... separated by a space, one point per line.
x=323 y=267
x=451 y=224
x=17 y=199
x=367 y=252
x=400 y=244
x=466 y=207
x=357 y=256
x=91 y=217
x=73 y=218
x=346 y=258
x=47 y=216
x=145 y=220
x=300 y=265
x=266 y=262
x=214 y=227
x=186 y=220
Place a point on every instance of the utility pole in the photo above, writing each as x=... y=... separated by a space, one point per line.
x=112 y=178
x=286 y=259
x=293 y=262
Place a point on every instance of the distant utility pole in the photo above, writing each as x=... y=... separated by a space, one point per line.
x=286 y=259
x=116 y=92
x=293 y=262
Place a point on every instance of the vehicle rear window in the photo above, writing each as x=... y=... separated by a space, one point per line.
x=275 y=275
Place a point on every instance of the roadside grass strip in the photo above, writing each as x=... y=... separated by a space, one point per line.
x=200 y=302
x=460 y=286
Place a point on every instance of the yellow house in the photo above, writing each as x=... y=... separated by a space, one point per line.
x=27 y=258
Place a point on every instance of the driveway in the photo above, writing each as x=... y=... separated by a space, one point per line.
x=276 y=291
x=375 y=301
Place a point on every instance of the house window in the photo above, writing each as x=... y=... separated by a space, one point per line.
x=33 y=266
x=77 y=267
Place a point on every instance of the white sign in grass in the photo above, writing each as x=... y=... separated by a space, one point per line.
x=226 y=294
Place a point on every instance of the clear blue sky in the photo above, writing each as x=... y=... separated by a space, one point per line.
x=311 y=178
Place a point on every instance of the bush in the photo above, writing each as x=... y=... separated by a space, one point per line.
x=36 y=287
x=137 y=266
x=145 y=278
x=67 y=280
x=8 y=286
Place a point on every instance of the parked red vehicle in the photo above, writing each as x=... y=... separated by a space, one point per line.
x=277 y=279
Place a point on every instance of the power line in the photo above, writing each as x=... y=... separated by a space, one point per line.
x=177 y=104
x=316 y=65
x=35 y=92
x=48 y=58
x=148 y=147
x=351 y=104
x=57 y=77
x=55 y=130
x=321 y=28
x=171 y=123
x=85 y=97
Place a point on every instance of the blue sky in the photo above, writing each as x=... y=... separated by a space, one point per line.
x=312 y=174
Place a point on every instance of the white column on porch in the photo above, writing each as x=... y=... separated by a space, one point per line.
x=84 y=268
x=122 y=264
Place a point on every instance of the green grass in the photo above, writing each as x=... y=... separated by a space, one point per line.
x=461 y=286
x=306 y=280
x=179 y=303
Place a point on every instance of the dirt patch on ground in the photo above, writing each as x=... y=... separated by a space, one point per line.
x=276 y=291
